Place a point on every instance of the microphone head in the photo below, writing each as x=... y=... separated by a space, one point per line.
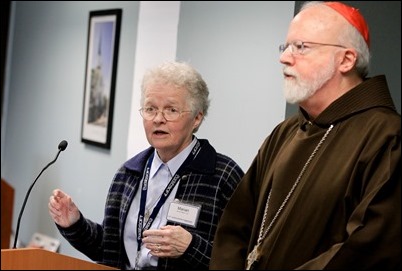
x=63 y=145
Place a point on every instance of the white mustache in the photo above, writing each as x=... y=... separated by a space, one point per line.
x=289 y=72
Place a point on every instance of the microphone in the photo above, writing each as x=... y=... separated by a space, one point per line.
x=62 y=146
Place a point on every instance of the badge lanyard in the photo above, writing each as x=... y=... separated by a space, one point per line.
x=140 y=224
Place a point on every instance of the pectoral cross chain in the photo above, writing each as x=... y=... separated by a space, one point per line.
x=253 y=257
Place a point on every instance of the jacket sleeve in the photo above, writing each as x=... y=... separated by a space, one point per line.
x=234 y=229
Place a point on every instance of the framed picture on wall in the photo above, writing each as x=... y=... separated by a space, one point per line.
x=100 y=78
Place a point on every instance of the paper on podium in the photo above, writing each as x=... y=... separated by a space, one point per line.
x=43 y=241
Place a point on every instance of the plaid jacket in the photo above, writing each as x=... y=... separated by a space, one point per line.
x=209 y=180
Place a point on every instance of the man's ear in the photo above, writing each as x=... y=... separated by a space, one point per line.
x=348 y=61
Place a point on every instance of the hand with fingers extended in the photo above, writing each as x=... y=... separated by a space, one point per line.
x=168 y=241
x=62 y=209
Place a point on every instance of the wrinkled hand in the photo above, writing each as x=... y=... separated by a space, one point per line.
x=62 y=209
x=168 y=241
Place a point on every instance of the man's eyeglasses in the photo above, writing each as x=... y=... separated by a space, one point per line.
x=170 y=113
x=298 y=47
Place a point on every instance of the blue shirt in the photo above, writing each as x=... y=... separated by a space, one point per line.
x=161 y=174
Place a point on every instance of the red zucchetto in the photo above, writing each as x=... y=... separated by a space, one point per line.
x=354 y=17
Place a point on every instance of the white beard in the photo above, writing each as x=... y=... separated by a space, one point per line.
x=297 y=89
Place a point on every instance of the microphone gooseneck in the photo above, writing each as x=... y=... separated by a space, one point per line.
x=62 y=146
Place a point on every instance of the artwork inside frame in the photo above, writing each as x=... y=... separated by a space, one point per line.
x=100 y=77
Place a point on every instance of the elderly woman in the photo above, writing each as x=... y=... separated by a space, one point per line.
x=164 y=204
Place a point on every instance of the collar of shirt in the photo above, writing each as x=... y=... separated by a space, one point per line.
x=174 y=163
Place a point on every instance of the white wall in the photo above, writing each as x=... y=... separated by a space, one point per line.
x=233 y=44
x=157 y=25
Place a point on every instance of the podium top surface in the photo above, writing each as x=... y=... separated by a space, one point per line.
x=41 y=259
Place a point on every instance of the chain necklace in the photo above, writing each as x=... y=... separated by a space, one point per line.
x=254 y=256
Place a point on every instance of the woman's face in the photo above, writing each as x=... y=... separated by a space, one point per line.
x=169 y=137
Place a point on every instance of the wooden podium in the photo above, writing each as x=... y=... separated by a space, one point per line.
x=7 y=205
x=41 y=259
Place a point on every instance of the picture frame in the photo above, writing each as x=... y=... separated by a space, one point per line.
x=100 y=76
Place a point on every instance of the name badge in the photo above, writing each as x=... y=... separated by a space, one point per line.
x=183 y=213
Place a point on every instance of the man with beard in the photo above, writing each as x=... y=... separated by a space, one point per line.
x=324 y=190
